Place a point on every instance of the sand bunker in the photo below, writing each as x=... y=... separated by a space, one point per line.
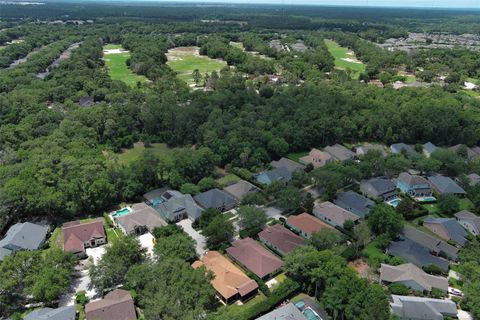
x=115 y=51
x=351 y=60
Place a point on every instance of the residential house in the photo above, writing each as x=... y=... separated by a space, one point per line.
x=366 y=148
x=216 y=198
x=22 y=236
x=255 y=258
x=435 y=245
x=269 y=176
x=402 y=148
x=418 y=308
x=280 y=239
x=317 y=158
x=473 y=179
x=447 y=229
x=306 y=224
x=428 y=149
x=470 y=154
x=173 y=205
x=412 y=277
x=379 y=188
x=333 y=214
x=355 y=203
x=63 y=313
x=339 y=152
x=290 y=165
x=469 y=221
x=78 y=236
x=415 y=253
x=240 y=189
x=413 y=185
x=286 y=312
x=117 y=305
x=230 y=282
x=143 y=218
x=445 y=185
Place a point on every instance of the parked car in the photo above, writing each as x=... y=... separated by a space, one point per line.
x=455 y=292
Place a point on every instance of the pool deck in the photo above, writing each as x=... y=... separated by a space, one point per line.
x=315 y=306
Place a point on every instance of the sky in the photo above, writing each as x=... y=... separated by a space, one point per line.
x=372 y=3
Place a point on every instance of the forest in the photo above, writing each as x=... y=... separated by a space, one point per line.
x=60 y=158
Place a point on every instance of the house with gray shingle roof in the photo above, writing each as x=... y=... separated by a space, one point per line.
x=402 y=148
x=286 y=312
x=288 y=164
x=469 y=221
x=22 y=236
x=412 y=277
x=413 y=185
x=428 y=149
x=143 y=218
x=278 y=174
x=379 y=188
x=445 y=185
x=473 y=179
x=434 y=244
x=363 y=149
x=446 y=228
x=354 y=203
x=333 y=214
x=417 y=308
x=240 y=189
x=470 y=154
x=63 y=313
x=173 y=205
x=216 y=198
x=339 y=152
x=415 y=253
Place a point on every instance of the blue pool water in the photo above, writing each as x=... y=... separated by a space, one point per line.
x=300 y=304
x=394 y=203
x=426 y=199
x=310 y=314
x=121 y=212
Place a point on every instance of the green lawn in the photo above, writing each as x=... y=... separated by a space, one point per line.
x=341 y=53
x=237 y=45
x=113 y=235
x=228 y=180
x=185 y=60
x=56 y=239
x=466 y=204
x=117 y=66
x=295 y=156
x=159 y=149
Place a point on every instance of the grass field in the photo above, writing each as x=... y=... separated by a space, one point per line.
x=295 y=156
x=159 y=149
x=341 y=54
x=117 y=66
x=184 y=60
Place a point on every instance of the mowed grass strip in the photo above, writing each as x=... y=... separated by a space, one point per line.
x=117 y=66
x=185 y=60
x=339 y=54
x=159 y=149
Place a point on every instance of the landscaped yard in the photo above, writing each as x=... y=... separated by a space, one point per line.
x=184 y=60
x=159 y=149
x=228 y=180
x=295 y=156
x=116 y=61
x=345 y=58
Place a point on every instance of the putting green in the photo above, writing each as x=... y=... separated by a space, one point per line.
x=116 y=62
x=184 y=60
x=345 y=58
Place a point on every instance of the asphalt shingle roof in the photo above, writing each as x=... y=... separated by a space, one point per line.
x=23 y=236
x=455 y=230
x=355 y=203
x=64 y=313
x=445 y=185
x=416 y=253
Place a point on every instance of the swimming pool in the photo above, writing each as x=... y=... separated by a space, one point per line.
x=121 y=212
x=425 y=199
x=310 y=314
x=394 y=203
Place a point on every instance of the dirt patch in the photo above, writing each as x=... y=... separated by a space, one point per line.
x=360 y=266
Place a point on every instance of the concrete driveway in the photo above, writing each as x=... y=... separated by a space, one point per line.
x=200 y=240
x=273 y=212
x=146 y=241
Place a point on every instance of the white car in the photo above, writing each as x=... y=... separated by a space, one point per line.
x=455 y=292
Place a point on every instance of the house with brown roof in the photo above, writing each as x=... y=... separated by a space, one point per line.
x=280 y=239
x=255 y=258
x=317 y=158
x=333 y=214
x=116 y=305
x=306 y=224
x=412 y=277
x=78 y=236
x=229 y=281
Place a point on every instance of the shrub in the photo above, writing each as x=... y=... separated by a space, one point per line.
x=81 y=298
x=108 y=220
x=399 y=288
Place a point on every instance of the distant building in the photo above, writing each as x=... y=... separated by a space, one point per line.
x=428 y=149
x=279 y=174
x=365 y=148
x=413 y=185
x=417 y=308
x=434 y=244
x=355 y=203
x=22 y=236
x=412 y=277
x=379 y=188
x=280 y=239
x=230 y=282
x=473 y=179
x=317 y=158
x=78 y=236
x=402 y=148
x=333 y=214
x=470 y=154
x=339 y=152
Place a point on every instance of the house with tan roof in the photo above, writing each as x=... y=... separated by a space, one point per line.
x=306 y=224
x=333 y=214
x=255 y=258
x=412 y=277
x=280 y=239
x=78 y=236
x=339 y=152
x=143 y=218
x=229 y=281
x=317 y=158
x=117 y=305
x=240 y=189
